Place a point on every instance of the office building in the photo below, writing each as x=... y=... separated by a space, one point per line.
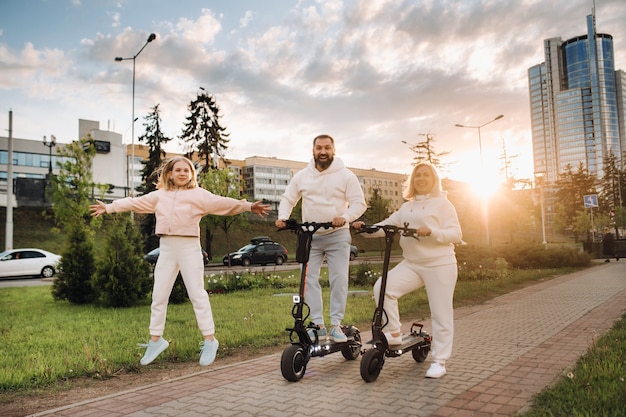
x=574 y=104
x=577 y=106
x=257 y=177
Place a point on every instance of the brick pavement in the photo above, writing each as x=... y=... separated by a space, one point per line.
x=505 y=351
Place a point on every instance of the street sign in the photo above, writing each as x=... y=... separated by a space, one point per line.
x=590 y=200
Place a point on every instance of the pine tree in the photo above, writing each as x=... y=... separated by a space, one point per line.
x=202 y=133
x=155 y=139
x=122 y=275
x=76 y=268
x=71 y=193
x=425 y=152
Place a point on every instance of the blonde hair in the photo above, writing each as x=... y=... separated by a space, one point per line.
x=166 y=168
x=409 y=188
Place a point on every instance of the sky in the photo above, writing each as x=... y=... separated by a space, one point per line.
x=377 y=75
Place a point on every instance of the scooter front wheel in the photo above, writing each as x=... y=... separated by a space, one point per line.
x=293 y=363
x=372 y=364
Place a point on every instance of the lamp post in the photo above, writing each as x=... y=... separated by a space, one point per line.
x=50 y=145
x=132 y=151
x=126 y=159
x=539 y=179
x=480 y=145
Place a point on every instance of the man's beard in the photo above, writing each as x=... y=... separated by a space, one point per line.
x=323 y=164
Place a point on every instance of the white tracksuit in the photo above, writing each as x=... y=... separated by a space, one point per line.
x=429 y=262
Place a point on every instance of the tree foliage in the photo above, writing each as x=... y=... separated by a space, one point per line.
x=122 y=276
x=571 y=187
x=71 y=193
x=73 y=280
x=155 y=139
x=203 y=133
x=72 y=190
x=378 y=207
x=224 y=183
x=613 y=192
x=425 y=151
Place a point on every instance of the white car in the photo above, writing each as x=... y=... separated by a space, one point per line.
x=28 y=262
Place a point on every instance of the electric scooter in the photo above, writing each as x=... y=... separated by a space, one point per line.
x=417 y=341
x=296 y=356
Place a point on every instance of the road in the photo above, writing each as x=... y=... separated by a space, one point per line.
x=212 y=268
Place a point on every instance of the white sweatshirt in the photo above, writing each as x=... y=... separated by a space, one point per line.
x=334 y=192
x=436 y=213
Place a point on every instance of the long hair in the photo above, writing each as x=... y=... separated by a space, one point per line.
x=409 y=189
x=167 y=167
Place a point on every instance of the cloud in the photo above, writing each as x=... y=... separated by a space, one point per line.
x=370 y=73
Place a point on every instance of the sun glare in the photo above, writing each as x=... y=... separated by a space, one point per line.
x=485 y=186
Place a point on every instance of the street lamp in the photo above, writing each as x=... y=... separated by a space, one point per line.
x=539 y=179
x=480 y=145
x=50 y=145
x=132 y=151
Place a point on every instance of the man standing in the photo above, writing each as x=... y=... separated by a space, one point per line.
x=329 y=192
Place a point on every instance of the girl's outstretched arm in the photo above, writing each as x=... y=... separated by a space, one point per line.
x=98 y=208
x=259 y=208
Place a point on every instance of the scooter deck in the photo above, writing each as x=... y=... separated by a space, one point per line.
x=325 y=347
x=409 y=342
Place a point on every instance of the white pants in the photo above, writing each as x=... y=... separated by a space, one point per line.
x=440 y=282
x=336 y=247
x=184 y=254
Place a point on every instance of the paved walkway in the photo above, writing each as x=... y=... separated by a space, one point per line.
x=505 y=351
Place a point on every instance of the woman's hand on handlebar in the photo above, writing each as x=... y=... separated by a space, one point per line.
x=281 y=224
x=358 y=225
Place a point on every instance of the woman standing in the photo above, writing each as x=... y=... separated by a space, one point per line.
x=178 y=205
x=429 y=262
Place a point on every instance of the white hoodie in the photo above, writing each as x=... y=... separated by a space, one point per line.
x=436 y=213
x=334 y=192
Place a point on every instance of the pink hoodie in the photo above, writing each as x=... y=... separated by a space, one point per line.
x=178 y=212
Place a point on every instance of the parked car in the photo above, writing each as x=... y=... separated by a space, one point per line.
x=262 y=250
x=354 y=252
x=28 y=262
x=153 y=255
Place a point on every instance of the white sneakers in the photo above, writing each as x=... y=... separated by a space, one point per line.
x=208 y=351
x=436 y=370
x=153 y=350
x=393 y=340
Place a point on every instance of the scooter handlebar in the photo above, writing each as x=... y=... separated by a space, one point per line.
x=390 y=229
x=310 y=227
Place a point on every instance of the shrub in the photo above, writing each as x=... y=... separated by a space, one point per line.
x=478 y=259
x=122 y=276
x=246 y=280
x=363 y=276
x=179 y=291
x=77 y=265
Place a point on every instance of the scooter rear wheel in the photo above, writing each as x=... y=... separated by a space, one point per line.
x=353 y=348
x=293 y=363
x=420 y=353
x=372 y=364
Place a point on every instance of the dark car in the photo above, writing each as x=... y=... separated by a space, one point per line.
x=354 y=252
x=262 y=251
x=153 y=255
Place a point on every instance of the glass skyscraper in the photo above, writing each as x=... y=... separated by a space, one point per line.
x=577 y=104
